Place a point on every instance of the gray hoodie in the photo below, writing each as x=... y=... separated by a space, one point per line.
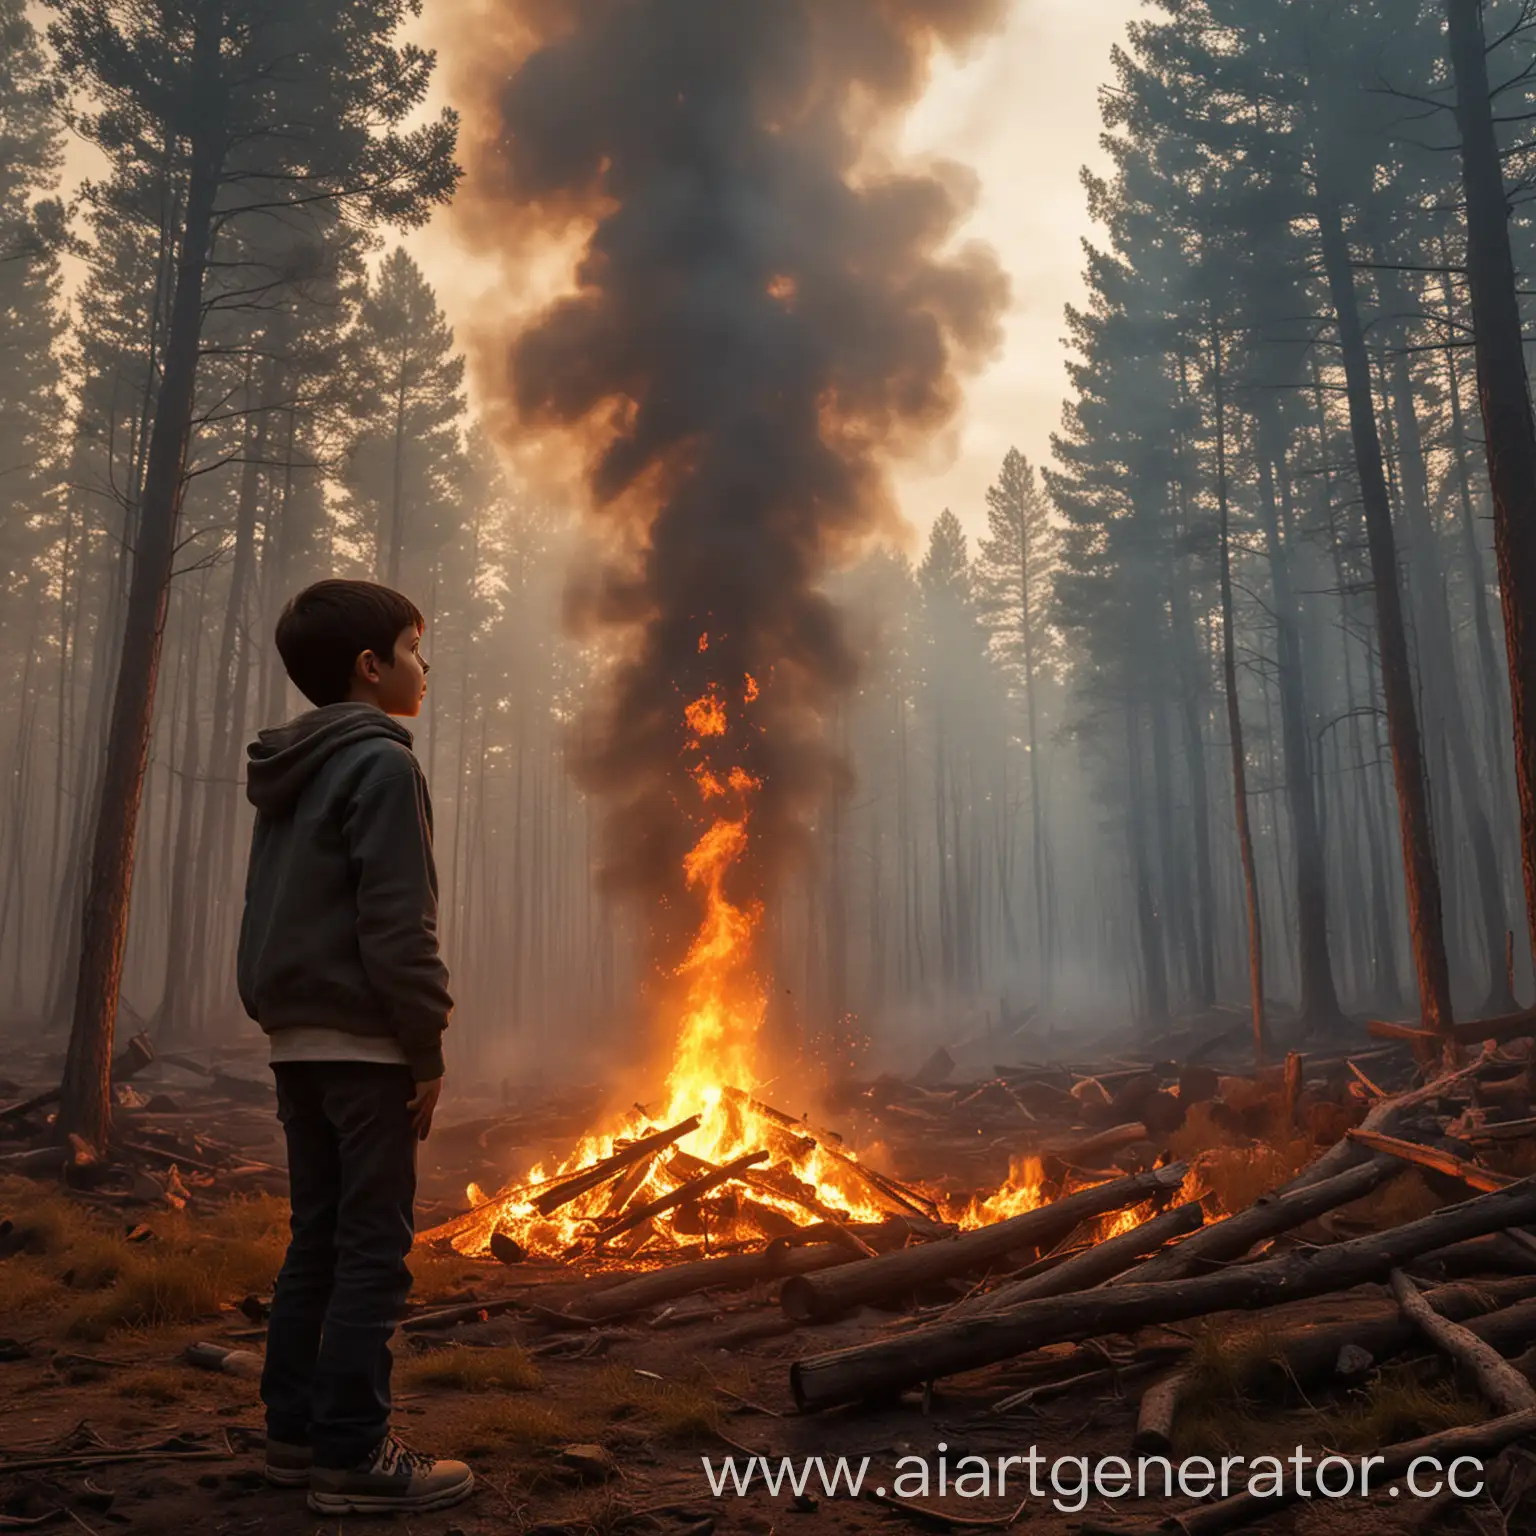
x=340 y=924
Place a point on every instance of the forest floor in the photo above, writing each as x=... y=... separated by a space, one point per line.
x=91 y=1381
x=98 y=1305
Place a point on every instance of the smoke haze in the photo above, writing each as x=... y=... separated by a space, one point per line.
x=765 y=311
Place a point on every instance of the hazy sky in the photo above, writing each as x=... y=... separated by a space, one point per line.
x=1023 y=113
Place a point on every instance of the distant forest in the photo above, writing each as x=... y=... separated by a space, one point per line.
x=1216 y=712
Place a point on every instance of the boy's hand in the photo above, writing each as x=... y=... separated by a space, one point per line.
x=422 y=1106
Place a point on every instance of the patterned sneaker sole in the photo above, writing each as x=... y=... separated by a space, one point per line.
x=385 y=1503
x=287 y=1477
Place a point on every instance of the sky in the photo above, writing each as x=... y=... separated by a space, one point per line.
x=1022 y=111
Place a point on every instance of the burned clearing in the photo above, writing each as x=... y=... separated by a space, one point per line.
x=1331 y=1253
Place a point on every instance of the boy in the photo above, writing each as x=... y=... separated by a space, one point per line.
x=339 y=965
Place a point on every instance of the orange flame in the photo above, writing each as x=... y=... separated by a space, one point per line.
x=706 y=716
x=712 y=1075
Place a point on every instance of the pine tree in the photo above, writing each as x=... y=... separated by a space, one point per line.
x=1505 y=393
x=403 y=463
x=1015 y=571
x=266 y=110
x=31 y=148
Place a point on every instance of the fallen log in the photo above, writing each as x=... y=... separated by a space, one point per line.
x=1496 y=1378
x=812 y=1299
x=691 y=1190
x=1508 y=1130
x=578 y=1184
x=735 y=1272
x=134 y=1057
x=1105 y=1144
x=942 y=1349
x=1093 y=1266
x=1501 y=1027
x=1158 y=1408
x=1502 y=1313
x=1385 y=1116
x=1479 y=1441
x=1474 y=1175
x=1274 y=1213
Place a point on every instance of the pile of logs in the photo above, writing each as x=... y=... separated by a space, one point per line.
x=1041 y=1296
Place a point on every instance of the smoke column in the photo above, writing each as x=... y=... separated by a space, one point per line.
x=764 y=313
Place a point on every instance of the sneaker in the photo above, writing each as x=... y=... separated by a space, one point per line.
x=390 y=1477
x=288 y=1465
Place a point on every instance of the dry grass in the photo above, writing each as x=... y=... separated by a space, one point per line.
x=509 y=1423
x=25 y=1291
x=1398 y=1405
x=1224 y=1412
x=162 y=1387
x=436 y=1276
x=460 y=1369
x=190 y=1267
x=677 y=1413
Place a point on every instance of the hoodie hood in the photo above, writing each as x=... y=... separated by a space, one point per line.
x=283 y=760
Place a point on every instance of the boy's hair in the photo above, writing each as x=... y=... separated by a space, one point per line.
x=323 y=631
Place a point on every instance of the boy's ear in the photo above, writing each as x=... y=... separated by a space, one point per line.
x=367 y=667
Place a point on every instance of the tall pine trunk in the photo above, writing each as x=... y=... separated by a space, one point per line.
x=1437 y=664
x=1319 y=998
x=1504 y=390
x=85 y=1103
x=1421 y=877
x=1234 y=712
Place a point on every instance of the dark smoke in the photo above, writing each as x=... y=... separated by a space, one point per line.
x=763 y=317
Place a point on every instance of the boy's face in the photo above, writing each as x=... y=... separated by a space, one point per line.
x=396 y=686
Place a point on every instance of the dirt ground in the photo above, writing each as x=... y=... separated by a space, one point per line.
x=93 y=1368
x=101 y=1295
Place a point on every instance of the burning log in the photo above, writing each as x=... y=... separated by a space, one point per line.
x=778 y=1183
x=579 y=1184
x=1089 y=1268
x=690 y=1190
x=625 y=1189
x=1438 y=1159
x=1496 y=1378
x=735 y=1272
x=1267 y=1217
x=944 y=1348
x=905 y=1201
x=813 y=1299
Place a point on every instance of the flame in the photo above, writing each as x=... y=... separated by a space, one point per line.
x=712 y=1075
x=792 y=1178
x=1023 y=1190
x=706 y=716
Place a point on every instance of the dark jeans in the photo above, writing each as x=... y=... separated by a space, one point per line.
x=352 y=1182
